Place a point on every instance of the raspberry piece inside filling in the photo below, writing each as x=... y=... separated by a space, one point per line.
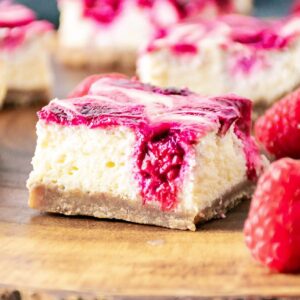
x=160 y=164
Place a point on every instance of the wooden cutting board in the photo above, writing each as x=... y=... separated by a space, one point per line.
x=51 y=256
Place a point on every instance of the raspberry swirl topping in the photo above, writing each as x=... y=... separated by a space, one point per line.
x=105 y=11
x=17 y=23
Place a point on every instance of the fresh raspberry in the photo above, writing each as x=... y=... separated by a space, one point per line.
x=272 y=230
x=278 y=130
x=82 y=89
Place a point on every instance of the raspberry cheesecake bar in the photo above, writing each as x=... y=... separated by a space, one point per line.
x=121 y=149
x=108 y=33
x=24 y=57
x=253 y=58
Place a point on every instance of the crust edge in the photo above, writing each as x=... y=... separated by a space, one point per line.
x=21 y=97
x=98 y=60
x=105 y=206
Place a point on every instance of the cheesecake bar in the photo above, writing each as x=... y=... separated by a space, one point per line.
x=121 y=149
x=24 y=58
x=254 y=58
x=105 y=34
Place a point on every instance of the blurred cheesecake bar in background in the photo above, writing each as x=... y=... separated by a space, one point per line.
x=25 y=72
x=107 y=34
x=121 y=149
x=253 y=58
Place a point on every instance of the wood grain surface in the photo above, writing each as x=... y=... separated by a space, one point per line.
x=46 y=256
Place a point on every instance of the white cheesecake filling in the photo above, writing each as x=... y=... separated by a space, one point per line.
x=213 y=72
x=202 y=73
x=218 y=166
x=102 y=161
x=27 y=67
x=94 y=161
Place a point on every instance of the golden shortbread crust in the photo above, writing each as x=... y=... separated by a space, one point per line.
x=103 y=205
